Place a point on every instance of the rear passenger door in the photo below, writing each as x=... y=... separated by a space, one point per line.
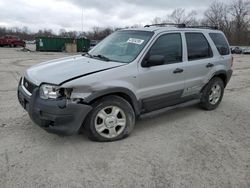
x=199 y=63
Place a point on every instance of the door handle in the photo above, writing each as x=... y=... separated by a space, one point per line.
x=210 y=65
x=178 y=70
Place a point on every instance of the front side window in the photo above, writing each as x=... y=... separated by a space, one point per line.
x=122 y=46
x=197 y=46
x=169 y=46
x=220 y=43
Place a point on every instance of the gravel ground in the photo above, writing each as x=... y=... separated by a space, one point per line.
x=187 y=147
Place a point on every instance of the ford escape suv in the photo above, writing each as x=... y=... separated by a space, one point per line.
x=130 y=74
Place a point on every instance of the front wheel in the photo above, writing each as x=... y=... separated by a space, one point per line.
x=212 y=94
x=112 y=118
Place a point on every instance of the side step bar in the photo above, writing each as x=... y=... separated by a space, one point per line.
x=163 y=110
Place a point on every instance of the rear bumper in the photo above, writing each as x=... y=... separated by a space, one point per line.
x=229 y=75
x=56 y=116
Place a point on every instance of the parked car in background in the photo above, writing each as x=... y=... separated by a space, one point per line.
x=93 y=43
x=246 y=50
x=11 y=41
x=236 y=50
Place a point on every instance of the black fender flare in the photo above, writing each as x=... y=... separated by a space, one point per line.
x=227 y=75
x=114 y=91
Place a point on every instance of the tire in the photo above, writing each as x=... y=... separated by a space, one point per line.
x=113 y=116
x=212 y=94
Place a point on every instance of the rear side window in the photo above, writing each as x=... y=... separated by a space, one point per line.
x=220 y=43
x=169 y=46
x=197 y=46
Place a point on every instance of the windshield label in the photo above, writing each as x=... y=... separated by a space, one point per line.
x=135 y=41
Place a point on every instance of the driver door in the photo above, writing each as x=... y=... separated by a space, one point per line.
x=163 y=85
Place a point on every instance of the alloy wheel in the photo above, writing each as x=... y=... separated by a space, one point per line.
x=110 y=121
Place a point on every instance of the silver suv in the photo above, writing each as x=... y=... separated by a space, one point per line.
x=130 y=74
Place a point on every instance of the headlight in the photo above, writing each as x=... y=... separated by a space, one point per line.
x=49 y=91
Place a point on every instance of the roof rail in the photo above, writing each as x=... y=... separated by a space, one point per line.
x=184 y=26
x=203 y=27
x=167 y=24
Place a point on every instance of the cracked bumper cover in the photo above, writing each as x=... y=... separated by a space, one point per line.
x=55 y=116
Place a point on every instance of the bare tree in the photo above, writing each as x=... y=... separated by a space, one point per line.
x=98 y=33
x=217 y=15
x=240 y=10
x=45 y=33
x=157 y=20
x=136 y=26
x=180 y=16
x=62 y=32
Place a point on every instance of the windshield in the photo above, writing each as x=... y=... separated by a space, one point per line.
x=122 y=46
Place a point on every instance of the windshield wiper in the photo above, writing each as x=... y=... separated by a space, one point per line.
x=102 y=57
x=88 y=54
x=99 y=56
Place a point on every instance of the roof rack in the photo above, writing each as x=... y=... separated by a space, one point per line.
x=167 y=24
x=203 y=27
x=183 y=26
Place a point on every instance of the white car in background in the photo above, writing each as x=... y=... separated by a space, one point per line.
x=246 y=50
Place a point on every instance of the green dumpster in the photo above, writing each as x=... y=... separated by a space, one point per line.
x=83 y=45
x=57 y=44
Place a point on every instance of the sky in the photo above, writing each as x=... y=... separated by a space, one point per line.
x=85 y=14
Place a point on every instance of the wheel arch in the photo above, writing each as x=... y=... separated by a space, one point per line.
x=124 y=93
x=222 y=74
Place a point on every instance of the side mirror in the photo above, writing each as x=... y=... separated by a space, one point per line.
x=153 y=60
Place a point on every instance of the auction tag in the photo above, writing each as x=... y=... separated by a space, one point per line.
x=135 y=41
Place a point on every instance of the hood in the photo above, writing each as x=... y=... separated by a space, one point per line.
x=60 y=70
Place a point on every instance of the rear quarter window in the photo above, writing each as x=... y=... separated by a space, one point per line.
x=220 y=43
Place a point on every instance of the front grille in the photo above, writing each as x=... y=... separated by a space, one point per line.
x=28 y=85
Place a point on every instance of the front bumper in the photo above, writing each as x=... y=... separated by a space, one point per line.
x=56 y=116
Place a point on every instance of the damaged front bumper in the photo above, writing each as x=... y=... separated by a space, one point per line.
x=56 y=116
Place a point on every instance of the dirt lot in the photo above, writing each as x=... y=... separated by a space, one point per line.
x=184 y=148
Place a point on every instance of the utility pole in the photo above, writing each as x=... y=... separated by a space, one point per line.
x=82 y=21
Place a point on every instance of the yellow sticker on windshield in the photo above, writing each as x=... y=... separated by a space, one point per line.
x=135 y=41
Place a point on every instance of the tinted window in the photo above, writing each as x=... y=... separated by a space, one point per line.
x=220 y=43
x=197 y=46
x=169 y=46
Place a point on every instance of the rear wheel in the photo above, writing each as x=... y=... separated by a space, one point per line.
x=212 y=94
x=112 y=118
